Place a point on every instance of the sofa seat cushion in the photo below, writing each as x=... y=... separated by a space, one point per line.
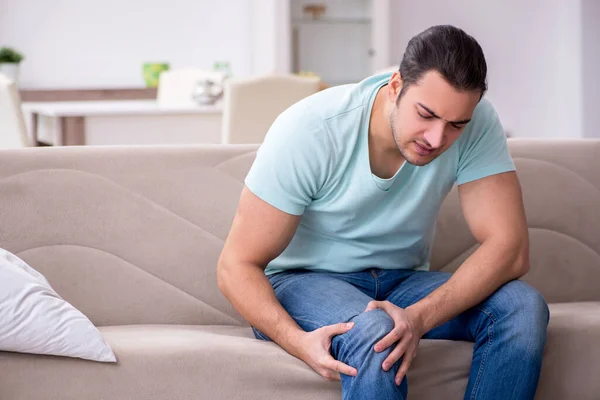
x=226 y=362
x=175 y=362
x=569 y=371
x=572 y=355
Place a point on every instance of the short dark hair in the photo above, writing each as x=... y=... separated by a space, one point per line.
x=448 y=50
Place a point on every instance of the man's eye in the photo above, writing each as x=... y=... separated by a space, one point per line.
x=457 y=127
x=424 y=116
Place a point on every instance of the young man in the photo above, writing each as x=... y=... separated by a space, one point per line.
x=329 y=251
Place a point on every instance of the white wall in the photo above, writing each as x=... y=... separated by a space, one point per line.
x=382 y=34
x=533 y=50
x=269 y=24
x=91 y=43
x=543 y=55
x=590 y=12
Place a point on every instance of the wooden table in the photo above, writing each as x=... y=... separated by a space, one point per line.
x=121 y=122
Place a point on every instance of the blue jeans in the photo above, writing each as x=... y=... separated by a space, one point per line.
x=508 y=329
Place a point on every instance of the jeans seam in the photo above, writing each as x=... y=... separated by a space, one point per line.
x=374 y=274
x=485 y=352
x=343 y=339
x=342 y=348
x=259 y=333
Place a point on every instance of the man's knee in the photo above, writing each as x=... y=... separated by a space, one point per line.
x=356 y=348
x=357 y=344
x=526 y=301
x=526 y=314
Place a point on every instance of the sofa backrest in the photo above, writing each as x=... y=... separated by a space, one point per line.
x=127 y=235
x=132 y=235
x=561 y=190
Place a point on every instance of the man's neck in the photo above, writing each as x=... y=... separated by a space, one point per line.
x=384 y=157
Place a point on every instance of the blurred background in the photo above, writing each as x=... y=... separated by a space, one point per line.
x=90 y=71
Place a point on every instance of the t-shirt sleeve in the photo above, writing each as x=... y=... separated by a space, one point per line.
x=484 y=150
x=293 y=163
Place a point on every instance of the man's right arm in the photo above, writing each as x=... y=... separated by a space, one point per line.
x=259 y=233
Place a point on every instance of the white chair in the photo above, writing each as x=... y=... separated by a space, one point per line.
x=251 y=105
x=175 y=87
x=13 y=132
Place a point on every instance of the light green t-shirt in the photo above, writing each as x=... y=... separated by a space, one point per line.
x=314 y=162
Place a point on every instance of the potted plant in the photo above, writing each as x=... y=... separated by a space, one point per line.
x=9 y=62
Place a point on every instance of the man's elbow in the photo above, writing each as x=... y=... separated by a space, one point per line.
x=521 y=268
x=514 y=252
x=521 y=264
x=223 y=273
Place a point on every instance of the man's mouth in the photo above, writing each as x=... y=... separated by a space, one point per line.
x=423 y=150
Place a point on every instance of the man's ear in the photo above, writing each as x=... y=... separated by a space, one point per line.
x=394 y=86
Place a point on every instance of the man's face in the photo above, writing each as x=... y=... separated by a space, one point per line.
x=429 y=117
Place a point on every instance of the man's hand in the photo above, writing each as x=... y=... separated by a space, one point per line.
x=408 y=330
x=314 y=350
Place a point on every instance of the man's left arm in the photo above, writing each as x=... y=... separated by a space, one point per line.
x=493 y=209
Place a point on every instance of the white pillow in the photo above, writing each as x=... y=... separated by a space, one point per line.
x=35 y=319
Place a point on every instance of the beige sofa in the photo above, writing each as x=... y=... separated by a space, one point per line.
x=131 y=237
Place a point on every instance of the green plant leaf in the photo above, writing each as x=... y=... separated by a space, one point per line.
x=10 y=55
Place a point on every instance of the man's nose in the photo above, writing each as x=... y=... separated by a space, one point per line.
x=435 y=136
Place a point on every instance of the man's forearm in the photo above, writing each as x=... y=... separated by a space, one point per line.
x=251 y=293
x=492 y=265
